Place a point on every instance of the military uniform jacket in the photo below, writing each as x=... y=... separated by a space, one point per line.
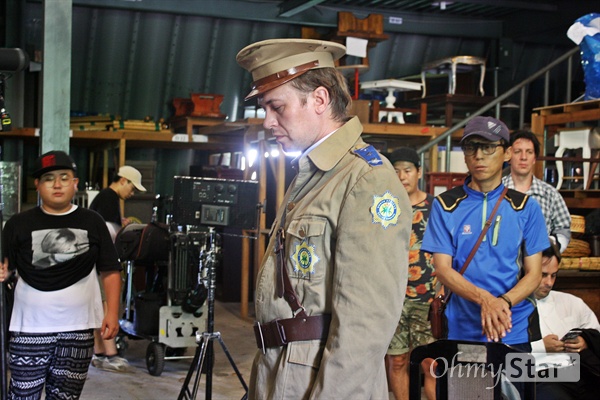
x=347 y=222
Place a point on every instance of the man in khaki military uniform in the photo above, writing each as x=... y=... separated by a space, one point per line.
x=331 y=286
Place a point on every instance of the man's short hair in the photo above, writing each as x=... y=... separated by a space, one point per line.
x=335 y=83
x=527 y=135
x=553 y=250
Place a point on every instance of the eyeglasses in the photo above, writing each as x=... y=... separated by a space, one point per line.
x=49 y=179
x=487 y=148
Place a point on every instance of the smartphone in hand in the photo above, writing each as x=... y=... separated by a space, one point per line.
x=572 y=334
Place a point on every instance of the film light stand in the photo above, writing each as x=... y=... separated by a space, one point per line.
x=14 y=60
x=3 y=313
x=204 y=356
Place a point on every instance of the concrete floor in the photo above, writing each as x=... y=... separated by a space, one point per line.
x=237 y=334
x=138 y=384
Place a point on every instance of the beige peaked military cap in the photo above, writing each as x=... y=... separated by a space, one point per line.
x=277 y=61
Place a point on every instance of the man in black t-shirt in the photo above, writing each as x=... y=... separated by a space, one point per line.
x=127 y=181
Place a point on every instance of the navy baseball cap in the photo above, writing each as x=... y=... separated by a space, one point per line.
x=488 y=128
x=52 y=161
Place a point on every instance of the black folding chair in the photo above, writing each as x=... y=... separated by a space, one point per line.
x=465 y=370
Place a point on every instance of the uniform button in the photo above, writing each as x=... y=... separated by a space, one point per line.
x=302 y=233
x=291 y=206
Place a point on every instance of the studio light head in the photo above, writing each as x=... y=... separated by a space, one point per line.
x=11 y=60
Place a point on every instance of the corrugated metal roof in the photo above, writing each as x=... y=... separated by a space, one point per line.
x=494 y=9
x=132 y=61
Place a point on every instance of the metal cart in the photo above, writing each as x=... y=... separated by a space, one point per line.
x=168 y=317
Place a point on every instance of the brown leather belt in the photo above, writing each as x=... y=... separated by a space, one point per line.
x=283 y=331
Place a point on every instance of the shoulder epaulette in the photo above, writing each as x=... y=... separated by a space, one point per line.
x=369 y=154
x=516 y=199
x=452 y=198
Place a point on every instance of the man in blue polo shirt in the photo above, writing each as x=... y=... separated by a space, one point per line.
x=493 y=300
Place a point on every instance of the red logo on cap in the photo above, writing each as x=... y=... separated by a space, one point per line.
x=48 y=161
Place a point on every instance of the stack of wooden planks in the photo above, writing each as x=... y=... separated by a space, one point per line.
x=143 y=125
x=101 y=122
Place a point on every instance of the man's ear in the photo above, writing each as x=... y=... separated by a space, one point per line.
x=321 y=98
x=508 y=154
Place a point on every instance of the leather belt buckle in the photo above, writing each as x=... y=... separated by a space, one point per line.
x=279 y=333
x=271 y=334
x=260 y=339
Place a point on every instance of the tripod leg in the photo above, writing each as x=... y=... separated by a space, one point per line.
x=184 y=393
x=235 y=368
x=210 y=359
x=195 y=368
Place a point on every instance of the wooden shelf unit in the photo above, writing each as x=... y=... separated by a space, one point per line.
x=546 y=121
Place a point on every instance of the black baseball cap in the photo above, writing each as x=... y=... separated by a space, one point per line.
x=405 y=154
x=52 y=161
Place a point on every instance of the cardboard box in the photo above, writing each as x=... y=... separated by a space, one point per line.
x=457 y=161
x=361 y=108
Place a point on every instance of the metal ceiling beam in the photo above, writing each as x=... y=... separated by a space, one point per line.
x=315 y=16
x=524 y=5
x=293 y=7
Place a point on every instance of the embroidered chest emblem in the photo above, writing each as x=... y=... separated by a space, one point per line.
x=385 y=210
x=304 y=258
x=467 y=230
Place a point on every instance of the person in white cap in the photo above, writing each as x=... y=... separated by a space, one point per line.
x=331 y=285
x=124 y=185
x=107 y=203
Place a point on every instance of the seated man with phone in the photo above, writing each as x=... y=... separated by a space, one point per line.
x=572 y=334
x=567 y=325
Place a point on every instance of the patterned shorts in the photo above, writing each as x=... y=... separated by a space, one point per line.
x=58 y=361
x=413 y=329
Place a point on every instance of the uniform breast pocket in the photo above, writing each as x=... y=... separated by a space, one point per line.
x=307 y=248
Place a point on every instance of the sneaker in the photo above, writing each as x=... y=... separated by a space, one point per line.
x=97 y=361
x=115 y=364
